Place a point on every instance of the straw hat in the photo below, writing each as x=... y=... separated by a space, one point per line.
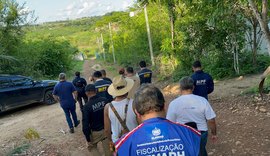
x=96 y=67
x=120 y=86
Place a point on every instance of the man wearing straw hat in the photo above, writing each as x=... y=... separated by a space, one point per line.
x=119 y=116
x=96 y=67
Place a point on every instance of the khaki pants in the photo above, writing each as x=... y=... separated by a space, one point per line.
x=96 y=137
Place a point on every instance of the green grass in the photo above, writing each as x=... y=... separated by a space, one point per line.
x=255 y=89
x=19 y=150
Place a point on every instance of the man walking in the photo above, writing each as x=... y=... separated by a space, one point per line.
x=65 y=93
x=131 y=75
x=80 y=84
x=203 y=82
x=156 y=135
x=190 y=108
x=145 y=74
x=93 y=121
x=101 y=86
x=104 y=76
x=119 y=117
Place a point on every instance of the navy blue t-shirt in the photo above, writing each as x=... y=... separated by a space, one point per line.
x=64 y=91
x=203 y=84
x=145 y=76
x=102 y=89
x=160 y=137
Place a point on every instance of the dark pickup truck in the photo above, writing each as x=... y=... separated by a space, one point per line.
x=17 y=91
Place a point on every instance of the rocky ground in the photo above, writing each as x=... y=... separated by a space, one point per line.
x=243 y=123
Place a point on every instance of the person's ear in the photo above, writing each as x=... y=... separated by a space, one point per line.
x=180 y=90
x=137 y=114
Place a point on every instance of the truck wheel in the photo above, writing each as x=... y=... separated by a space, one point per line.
x=48 y=98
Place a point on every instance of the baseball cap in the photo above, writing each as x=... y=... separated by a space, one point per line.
x=90 y=87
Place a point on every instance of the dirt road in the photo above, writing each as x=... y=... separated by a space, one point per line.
x=243 y=123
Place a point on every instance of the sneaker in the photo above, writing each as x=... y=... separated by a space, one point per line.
x=78 y=122
x=71 y=130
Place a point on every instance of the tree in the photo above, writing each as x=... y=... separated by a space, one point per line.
x=171 y=6
x=254 y=33
x=12 y=18
x=262 y=18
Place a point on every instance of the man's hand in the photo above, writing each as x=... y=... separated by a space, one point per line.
x=56 y=98
x=112 y=146
x=214 y=138
x=89 y=145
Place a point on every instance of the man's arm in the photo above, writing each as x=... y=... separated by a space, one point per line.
x=74 y=92
x=74 y=82
x=75 y=95
x=107 y=123
x=84 y=82
x=56 y=98
x=86 y=124
x=212 y=125
x=210 y=85
x=170 y=113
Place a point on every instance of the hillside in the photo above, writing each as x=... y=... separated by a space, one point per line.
x=81 y=33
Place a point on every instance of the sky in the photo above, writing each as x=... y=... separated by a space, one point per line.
x=53 y=10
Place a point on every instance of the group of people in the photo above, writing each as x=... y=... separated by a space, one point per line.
x=128 y=114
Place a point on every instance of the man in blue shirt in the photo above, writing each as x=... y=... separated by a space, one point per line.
x=203 y=82
x=157 y=136
x=80 y=84
x=145 y=74
x=65 y=93
x=102 y=86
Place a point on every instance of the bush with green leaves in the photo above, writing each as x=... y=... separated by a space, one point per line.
x=49 y=56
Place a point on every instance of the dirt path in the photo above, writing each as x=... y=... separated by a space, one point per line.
x=243 y=125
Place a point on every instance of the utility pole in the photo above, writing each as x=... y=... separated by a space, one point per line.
x=112 y=43
x=149 y=37
x=102 y=47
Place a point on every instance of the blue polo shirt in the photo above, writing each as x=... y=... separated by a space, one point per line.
x=64 y=91
x=160 y=137
x=203 y=84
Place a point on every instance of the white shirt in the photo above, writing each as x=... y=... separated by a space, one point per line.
x=191 y=108
x=131 y=121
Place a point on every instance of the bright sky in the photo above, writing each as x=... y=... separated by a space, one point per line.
x=52 y=10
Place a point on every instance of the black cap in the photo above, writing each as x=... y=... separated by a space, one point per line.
x=90 y=88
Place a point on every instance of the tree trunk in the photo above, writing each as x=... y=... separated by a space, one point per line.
x=172 y=30
x=254 y=48
x=263 y=21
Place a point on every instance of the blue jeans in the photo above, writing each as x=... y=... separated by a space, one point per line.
x=204 y=135
x=71 y=110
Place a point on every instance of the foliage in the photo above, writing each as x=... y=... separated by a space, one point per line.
x=76 y=66
x=207 y=30
x=51 y=56
x=42 y=56
x=19 y=150
x=12 y=18
x=255 y=89
x=31 y=134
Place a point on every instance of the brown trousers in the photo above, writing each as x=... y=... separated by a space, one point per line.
x=96 y=137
